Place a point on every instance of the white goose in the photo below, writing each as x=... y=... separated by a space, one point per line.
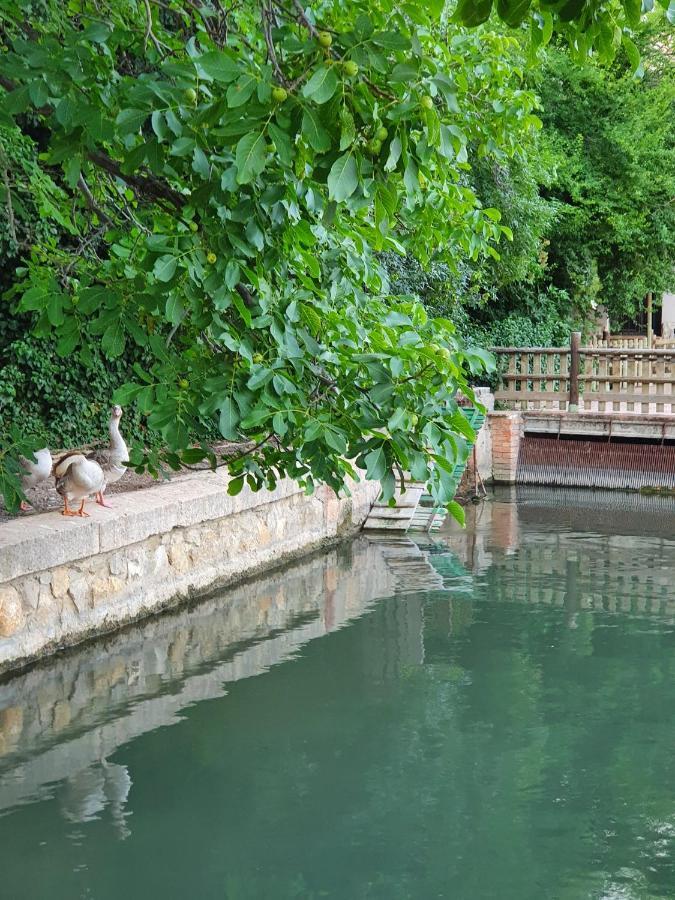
x=76 y=479
x=36 y=472
x=111 y=459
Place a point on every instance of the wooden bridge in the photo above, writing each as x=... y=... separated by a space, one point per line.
x=600 y=379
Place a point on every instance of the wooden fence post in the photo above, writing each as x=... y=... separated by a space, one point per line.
x=575 y=343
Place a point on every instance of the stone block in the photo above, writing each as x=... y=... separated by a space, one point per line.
x=160 y=560
x=12 y=617
x=80 y=593
x=103 y=589
x=60 y=582
x=178 y=557
x=117 y=564
x=29 y=588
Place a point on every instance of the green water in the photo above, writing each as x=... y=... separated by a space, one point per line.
x=489 y=717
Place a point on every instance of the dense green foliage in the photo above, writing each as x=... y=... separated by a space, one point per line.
x=220 y=186
x=206 y=196
x=591 y=206
x=612 y=140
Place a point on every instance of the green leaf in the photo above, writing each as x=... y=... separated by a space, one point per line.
x=240 y=92
x=312 y=129
x=282 y=142
x=235 y=486
x=472 y=12
x=229 y=419
x=165 y=267
x=55 y=309
x=633 y=10
x=632 y=53
x=376 y=464
x=513 y=12
x=322 y=85
x=182 y=146
x=72 y=170
x=343 y=178
x=65 y=112
x=218 y=65
x=113 y=340
x=130 y=121
x=391 y=40
x=457 y=512
x=394 y=155
x=250 y=157
x=174 y=309
x=200 y=163
x=125 y=393
x=347 y=128
x=242 y=309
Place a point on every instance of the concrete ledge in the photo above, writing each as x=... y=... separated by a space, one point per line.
x=63 y=580
x=652 y=426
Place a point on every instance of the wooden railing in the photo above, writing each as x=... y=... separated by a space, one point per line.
x=596 y=379
x=632 y=342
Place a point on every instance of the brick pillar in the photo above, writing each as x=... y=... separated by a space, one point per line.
x=505 y=429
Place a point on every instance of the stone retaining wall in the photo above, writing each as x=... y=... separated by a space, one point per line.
x=63 y=580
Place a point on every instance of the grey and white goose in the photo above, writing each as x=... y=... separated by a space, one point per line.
x=111 y=459
x=76 y=479
x=35 y=472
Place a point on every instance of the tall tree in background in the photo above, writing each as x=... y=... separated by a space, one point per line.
x=612 y=141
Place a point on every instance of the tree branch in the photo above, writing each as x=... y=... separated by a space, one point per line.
x=150 y=186
x=267 y=22
x=303 y=18
x=245 y=294
x=149 y=33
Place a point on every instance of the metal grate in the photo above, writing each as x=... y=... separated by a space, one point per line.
x=579 y=463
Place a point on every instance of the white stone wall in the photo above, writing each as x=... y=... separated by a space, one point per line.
x=668 y=315
x=63 y=580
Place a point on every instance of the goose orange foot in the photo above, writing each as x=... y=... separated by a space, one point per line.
x=66 y=511
x=100 y=499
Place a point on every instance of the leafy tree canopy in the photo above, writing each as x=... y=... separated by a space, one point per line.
x=611 y=141
x=216 y=187
x=223 y=183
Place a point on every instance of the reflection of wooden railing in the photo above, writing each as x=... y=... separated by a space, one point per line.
x=608 y=380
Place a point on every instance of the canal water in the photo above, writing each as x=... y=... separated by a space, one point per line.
x=480 y=714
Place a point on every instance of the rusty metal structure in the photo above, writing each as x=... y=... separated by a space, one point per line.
x=578 y=462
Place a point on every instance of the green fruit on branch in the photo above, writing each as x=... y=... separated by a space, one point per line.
x=190 y=95
x=426 y=102
x=194 y=226
x=381 y=134
x=374 y=146
x=279 y=94
x=325 y=39
x=351 y=69
x=211 y=258
x=183 y=384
